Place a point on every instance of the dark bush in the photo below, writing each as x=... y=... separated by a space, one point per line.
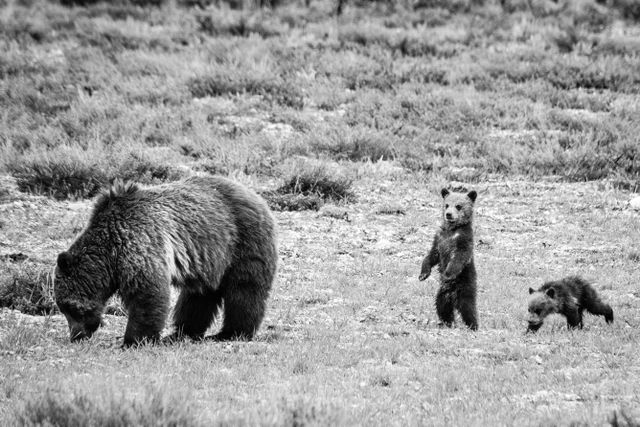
x=27 y=287
x=316 y=179
x=59 y=178
x=147 y=171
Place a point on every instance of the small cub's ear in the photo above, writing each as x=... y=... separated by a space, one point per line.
x=551 y=293
x=444 y=192
x=65 y=261
x=472 y=195
x=531 y=290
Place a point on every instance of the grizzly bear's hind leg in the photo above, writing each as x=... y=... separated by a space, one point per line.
x=468 y=312
x=244 y=309
x=245 y=289
x=194 y=313
x=598 y=308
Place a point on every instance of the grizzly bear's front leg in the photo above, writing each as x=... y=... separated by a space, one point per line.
x=147 y=308
x=432 y=258
x=574 y=318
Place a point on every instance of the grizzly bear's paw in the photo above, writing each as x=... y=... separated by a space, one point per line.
x=443 y=324
x=173 y=338
x=424 y=276
x=448 y=278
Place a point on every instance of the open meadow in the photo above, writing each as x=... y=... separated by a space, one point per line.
x=349 y=126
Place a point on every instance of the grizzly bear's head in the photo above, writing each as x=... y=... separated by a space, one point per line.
x=78 y=294
x=541 y=304
x=457 y=208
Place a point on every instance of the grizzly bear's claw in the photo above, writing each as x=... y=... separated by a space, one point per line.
x=423 y=276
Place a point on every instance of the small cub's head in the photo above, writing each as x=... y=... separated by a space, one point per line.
x=457 y=208
x=77 y=294
x=541 y=304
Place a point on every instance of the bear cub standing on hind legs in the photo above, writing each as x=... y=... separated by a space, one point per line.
x=212 y=238
x=569 y=297
x=452 y=250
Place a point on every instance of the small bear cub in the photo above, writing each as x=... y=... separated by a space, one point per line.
x=452 y=251
x=569 y=297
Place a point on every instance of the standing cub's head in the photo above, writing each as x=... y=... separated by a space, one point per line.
x=541 y=304
x=457 y=208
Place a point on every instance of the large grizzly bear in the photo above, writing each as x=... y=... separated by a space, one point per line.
x=452 y=251
x=212 y=238
x=570 y=297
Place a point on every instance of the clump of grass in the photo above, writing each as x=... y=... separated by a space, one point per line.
x=272 y=89
x=307 y=186
x=391 y=209
x=115 y=307
x=355 y=145
x=72 y=172
x=292 y=202
x=317 y=178
x=60 y=174
x=155 y=408
x=27 y=288
x=237 y=23
x=146 y=170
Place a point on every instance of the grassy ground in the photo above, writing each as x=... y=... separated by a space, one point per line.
x=379 y=108
x=350 y=335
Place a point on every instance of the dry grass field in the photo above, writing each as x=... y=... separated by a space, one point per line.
x=349 y=125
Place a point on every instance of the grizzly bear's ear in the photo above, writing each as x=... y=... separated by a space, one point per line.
x=551 y=293
x=472 y=195
x=65 y=260
x=531 y=290
x=444 y=192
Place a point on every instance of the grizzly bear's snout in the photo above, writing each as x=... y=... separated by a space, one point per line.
x=82 y=330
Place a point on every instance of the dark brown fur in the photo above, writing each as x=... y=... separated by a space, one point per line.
x=569 y=297
x=212 y=238
x=452 y=251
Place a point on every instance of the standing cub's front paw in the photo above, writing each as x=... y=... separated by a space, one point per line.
x=423 y=276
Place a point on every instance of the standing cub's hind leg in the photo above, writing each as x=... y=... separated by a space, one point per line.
x=445 y=307
x=468 y=312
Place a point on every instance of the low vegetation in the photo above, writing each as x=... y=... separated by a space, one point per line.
x=113 y=408
x=142 y=89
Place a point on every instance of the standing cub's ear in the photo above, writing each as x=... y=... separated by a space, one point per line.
x=551 y=293
x=531 y=290
x=472 y=195
x=444 y=192
x=65 y=260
